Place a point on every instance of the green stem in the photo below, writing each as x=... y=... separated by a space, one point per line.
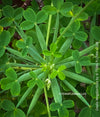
x=48 y=30
x=47 y=102
x=72 y=20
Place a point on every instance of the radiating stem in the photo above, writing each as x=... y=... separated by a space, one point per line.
x=47 y=102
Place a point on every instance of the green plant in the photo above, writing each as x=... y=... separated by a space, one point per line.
x=40 y=60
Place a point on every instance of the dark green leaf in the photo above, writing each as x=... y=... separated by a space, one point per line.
x=7 y=105
x=2 y=51
x=54 y=106
x=68 y=103
x=8 y=11
x=7 y=2
x=76 y=44
x=96 y=32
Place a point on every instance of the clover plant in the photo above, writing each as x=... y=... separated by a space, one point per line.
x=47 y=58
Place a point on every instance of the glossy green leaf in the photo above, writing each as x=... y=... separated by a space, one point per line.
x=30 y=15
x=78 y=67
x=85 y=112
x=81 y=36
x=26 y=25
x=66 y=7
x=75 y=55
x=15 y=88
x=68 y=103
x=8 y=11
x=50 y=9
x=47 y=53
x=15 y=113
x=41 y=17
x=18 y=13
x=6 y=21
x=96 y=32
x=54 y=106
x=20 y=44
x=10 y=73
x=40 y=38
x=7 y=105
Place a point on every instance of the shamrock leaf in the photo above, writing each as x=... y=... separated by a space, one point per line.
x=11 y=82
x=35 y=81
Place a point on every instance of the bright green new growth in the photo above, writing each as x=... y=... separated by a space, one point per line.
x=49 y=66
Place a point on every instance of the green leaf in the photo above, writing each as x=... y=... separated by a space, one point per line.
x=26 y=25
x=15 y=113
x=68 y=103
x=25 y=51
x=8 y=11
x=30 y=15
x=77 y=77
x=56 y=91
x=83 y=16
x=20 y=44
x=31 y=83
x=84 y=60
x=6 y=21
x=40 y=83
x=63 y=112
x=61 y=75
x=61 y=68
x=40 y=38
x=33 y=74
x=6 y=83
x=4 y=38
x=66 y=7
x=57 y=3
x=7 y=105
x=71 y=113
x=76 y=44
x=41 y=16
x=81 y=36
x=57 y=55
x=53 y=74
x=6 y=2
x=78 y=67
x=85 y=112
x=54 y=106
x=15 y=88
x=75 y=26
x=53 y=47
x=10 y=73
x=29 y=41
x=50 y=9
x=18 y=13
x=47 y=53
x=2 y=51
x=75 y=55
x=96 y=32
